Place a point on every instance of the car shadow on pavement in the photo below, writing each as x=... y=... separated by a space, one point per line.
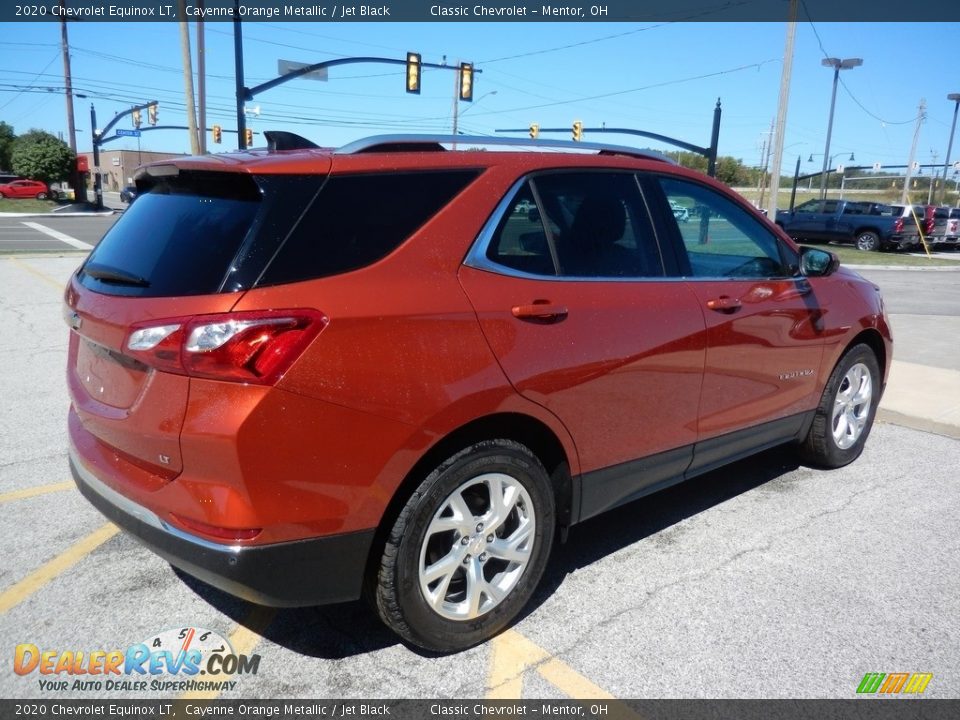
x=616 y=529
x=345 y=630
x=331 y=632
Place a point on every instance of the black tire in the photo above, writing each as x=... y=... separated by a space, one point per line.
x=41 y=196
x=400 y=599
x=868 y=240
x=821 y=447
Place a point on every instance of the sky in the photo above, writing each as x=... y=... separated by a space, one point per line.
x=659 y=77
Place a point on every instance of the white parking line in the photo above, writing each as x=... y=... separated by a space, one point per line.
x=62 y=237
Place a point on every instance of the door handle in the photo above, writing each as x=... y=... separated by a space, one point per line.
x=542 y=311
x=724 y=304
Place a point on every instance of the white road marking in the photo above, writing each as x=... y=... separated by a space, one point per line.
x=62 y=237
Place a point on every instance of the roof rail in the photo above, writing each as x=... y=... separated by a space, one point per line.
x=434 y=143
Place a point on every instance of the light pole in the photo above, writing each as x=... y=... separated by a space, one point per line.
x=955 y=97
x=828 y=164
x=837 y=64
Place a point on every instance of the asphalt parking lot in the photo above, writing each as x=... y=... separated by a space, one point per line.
x=766 y=579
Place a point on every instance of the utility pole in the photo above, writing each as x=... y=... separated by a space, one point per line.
x=921 y=116
x=67 y=80
x=188 y=79
x=784 y=101
x=933 y=176
x=76 y=178
x=202 y=80
x=764 y=161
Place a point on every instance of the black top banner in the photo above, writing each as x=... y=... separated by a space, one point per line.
x=941 y=11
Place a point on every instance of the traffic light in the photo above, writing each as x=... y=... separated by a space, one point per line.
x=248 y=138
x=136 y=118
x=152 y=114
x=466 y=82
x=534 y=131
x=217 y=134
x=577 y=130
x=413 y=72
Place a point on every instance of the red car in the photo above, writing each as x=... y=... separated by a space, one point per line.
x=25 y=189
x=397 y=369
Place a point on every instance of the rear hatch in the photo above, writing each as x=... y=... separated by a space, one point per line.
x=190 y=245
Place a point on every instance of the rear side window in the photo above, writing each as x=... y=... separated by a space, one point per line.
x=587 y=225
x=178 y=238
x=358 y=219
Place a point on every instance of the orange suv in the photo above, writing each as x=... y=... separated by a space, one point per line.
x=303 y=375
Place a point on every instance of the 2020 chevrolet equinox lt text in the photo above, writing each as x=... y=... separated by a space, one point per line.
x=393 y=369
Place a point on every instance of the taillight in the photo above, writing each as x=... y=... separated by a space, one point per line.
x=928 y=225
x=255 y=347
x=898 y=225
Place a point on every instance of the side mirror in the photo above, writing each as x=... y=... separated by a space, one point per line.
x=815 y=262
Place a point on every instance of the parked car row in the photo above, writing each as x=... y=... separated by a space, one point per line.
x=872 y=226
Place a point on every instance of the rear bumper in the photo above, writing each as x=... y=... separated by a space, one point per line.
x=316 y=571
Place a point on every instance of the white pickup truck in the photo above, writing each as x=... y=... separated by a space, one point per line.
x=946 y=226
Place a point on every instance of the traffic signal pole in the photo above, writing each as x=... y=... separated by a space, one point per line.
x=97 y=188
x=98 y=139
x=245 y=94
x=710 y=153
x=238 y=73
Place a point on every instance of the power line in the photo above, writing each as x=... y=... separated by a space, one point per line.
x=666 y=83
x=31 y=81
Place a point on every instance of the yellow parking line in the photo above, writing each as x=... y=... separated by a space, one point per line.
x=15 y=595
x=34 y=491
x=243 y=640
x=512 y=655
x=42 y=275
x=571 y=682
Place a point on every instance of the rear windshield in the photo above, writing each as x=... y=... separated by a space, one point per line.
x=177 y=238
x=203 y=233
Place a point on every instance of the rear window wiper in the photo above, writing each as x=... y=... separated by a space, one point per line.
x=108 y=274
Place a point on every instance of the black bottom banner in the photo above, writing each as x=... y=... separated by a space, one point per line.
x=868 y=709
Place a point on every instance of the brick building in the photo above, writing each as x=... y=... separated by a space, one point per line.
x=118 y=166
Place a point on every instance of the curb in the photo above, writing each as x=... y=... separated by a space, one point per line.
x=105 y=213
x=911 y=268
x=918 y=423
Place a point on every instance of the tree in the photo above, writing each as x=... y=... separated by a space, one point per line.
x=38 y=155
x=7 y=136
x=730 y=170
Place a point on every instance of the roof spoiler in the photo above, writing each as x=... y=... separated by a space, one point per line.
x=278 y=140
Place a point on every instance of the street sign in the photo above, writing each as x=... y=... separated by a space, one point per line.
x=285 y=67
x=877 y=167
x=840 y=169
x=127 y=133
